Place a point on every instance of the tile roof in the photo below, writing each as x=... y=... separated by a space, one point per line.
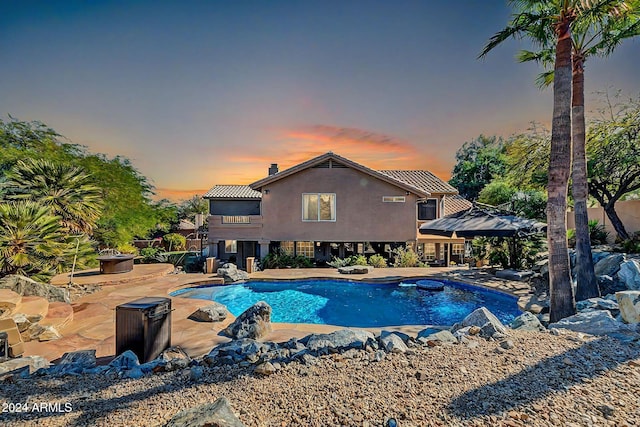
x=346 y=162
x=422 y=179
x=232 y=192
x=454 y=204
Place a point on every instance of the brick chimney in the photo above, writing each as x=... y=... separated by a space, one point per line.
x=273 y=169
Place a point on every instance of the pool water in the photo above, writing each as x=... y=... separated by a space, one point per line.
x=344 y=303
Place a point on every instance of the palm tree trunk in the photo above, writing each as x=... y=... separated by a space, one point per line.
x=587 y=284
x=562 y=303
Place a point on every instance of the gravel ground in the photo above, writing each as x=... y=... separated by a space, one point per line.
x=543 y=380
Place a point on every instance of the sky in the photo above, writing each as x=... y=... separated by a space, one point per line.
x=198 y=93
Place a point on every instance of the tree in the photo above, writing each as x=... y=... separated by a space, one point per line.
x=532 y=20
x=478 y=162
x=67 y=189
x=190 y=207
x=599 y=27
x=30 y=239
x=526 y=203
x=614 y=158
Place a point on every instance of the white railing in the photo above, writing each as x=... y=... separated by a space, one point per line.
x=236 y=219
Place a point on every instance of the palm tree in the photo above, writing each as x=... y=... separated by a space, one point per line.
x=597 y=31
x=30 y=239
x=534 y=18
x=65 y=188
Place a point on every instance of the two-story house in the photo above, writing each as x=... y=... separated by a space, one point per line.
x=331 y=206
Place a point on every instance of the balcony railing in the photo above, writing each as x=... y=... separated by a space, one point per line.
x=236 y=219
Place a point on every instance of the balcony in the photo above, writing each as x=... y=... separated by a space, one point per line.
x=235 y=219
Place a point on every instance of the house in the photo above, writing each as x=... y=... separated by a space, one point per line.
x=331 y=206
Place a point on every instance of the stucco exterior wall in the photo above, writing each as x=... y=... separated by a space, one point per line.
x=628 y=211
x=361 y=215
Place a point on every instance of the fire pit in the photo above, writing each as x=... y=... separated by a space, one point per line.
x=116 y=263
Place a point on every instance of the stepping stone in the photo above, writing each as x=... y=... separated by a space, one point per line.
x=34 y=308
x=60 y=313
x=8 y=302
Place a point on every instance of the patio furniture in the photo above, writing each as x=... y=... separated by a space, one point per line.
x=144 y=327
x=113 y=264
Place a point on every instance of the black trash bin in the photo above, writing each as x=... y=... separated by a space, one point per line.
x=144 y=327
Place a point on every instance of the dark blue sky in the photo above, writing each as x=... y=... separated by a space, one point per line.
x=211 y=92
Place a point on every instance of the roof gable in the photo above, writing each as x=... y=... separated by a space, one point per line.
x=327 y=160
x=422 y=179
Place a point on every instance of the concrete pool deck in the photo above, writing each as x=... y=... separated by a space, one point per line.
x=93 y=323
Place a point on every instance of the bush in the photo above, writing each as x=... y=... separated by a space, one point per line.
x=632 y=244
x=350 y=260
x=149 y=254
x=377 y=261
x=406 y=257
x=174 y=242
x=280 y=259
x=597 y=234
x=127 y=248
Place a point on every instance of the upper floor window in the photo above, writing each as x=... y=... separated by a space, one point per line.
x=318 y=207
x=428 y=209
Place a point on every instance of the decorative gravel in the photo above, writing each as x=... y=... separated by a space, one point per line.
x=539 y=379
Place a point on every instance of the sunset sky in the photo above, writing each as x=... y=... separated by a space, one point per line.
x=198 y=93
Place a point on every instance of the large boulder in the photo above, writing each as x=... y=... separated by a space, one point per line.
x=254 y=323
x=216 y=414
x=610 y=285
x=231 y=274
x=344 y=339
x=33 y=362
x=237 y=351
x=488 y=323
x=214 y=312
x=436 y=338
x=609 y=265
x=596 y=322
x=28 y=287
x=598 y=304
x=527 y=322
x=629 y=303
x=629 y=274
x=392 y=343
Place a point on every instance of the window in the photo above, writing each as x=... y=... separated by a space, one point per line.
x=429 y=251
x=427 y=209
x=393 y=199
x=457 y=249
x=305 y=249
x=287 y=247
x=231 y=246
x=319 y=207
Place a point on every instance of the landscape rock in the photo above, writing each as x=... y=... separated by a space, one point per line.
x=49 y=333
x=22 y=322
x=527 y=322
x=27 y=287
x=84 y=358
x=629 y=274
x=216 y=414
x=392 y=343
x=598 y=304
x=609 y=265
x=8 y=301
x=33 y=362
x=344 y=339
x=254 y=323
x=175 y=358
x=438 y=338
x=609 y=285
x=355 y=269
x=236 y=351
x=485 y=320
x=214 y=312
x=265 y=368
x=231 y=274
x=629 y=303
x=127 y=360
x=596 y=322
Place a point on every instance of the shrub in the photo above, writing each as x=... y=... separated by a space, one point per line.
x=632 y=244
x=127 y=248
x=280 y=259
x=406 y=257
x=597 y=233
x=339 y=262
x=174 y=242
x=377 y=261
x=149 y=254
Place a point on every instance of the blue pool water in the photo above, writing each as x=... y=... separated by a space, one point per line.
x=344 y=303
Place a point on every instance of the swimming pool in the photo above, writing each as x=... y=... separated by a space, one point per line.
x=359 y=304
